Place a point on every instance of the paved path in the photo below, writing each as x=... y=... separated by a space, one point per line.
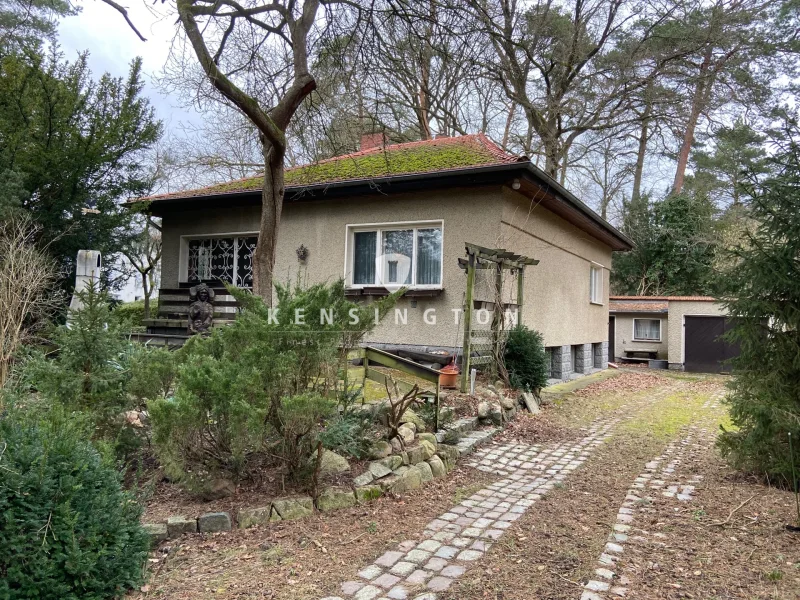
x=418 y=569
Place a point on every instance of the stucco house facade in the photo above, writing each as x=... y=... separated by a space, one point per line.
x=682 y=330
x=402 y=214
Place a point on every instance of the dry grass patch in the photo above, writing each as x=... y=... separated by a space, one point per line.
x=303 y=559
x=553 y=548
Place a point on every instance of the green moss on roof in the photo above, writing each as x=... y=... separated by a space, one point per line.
x=415 y=159
x=402 y=159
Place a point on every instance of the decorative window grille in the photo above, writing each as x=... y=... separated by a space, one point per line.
x=228 y=259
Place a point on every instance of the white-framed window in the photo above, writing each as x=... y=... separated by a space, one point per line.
x=224 y=257
x=395 y=254
x=596 y=284
x=647 y=330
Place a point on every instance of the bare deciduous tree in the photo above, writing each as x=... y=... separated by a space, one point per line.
x=256 y=56
x=28 y=278
x=143 y=252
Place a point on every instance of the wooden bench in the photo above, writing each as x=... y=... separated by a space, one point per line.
x=631 y=355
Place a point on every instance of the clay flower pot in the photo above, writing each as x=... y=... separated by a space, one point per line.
x=448 y=376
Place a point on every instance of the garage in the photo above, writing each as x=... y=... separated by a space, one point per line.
x=704 y=351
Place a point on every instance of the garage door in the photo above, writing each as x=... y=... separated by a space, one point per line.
x=704 y=350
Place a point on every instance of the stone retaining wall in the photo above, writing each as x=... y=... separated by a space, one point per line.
x=407 y=470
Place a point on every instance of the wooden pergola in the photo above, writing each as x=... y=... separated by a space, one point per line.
x=501 y=261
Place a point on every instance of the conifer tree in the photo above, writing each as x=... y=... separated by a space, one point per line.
x=764 y=287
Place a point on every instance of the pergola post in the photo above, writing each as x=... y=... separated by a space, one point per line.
x=499 y=259
x=468 y=321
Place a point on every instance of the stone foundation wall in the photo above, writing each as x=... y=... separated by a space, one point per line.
x=561 y=362
x=600 y=355
x=584 y=359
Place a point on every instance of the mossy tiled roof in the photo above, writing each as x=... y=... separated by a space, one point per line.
x=412 y=158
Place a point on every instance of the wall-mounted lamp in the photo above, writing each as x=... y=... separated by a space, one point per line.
x=302 y=253
x=515 y=185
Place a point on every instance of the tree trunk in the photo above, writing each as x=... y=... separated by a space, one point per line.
x=550 y=157
x=147 y=291
x=644 y=135
x=271 y=207
x=698 y=102
x=509 y=121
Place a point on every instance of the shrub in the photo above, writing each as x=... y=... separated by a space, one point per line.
x=300 y=419
x=427 y=412
x=352 y=433
x=89 y=371
x=67 y=529
x=526 y=360
x=130 y=315
x=261 y=379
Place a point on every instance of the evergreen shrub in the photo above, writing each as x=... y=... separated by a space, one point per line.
x=526 y=360
x=67 y=529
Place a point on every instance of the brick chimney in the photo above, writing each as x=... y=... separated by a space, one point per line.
x=373 y=140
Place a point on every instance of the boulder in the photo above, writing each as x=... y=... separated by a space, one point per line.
x=437 y=467
x=332 y=463
x=507 y=403
x=425 y=471
x=483 y=410
x=388 y=482
x=213 y=522
x=380 y=449
x=157 y=532
x=406 y=433
x=368 y=492
x=250 y=517
x=218 y=488
x=429 y=448
x=420 y=453
x=364 y=479
x=410 y=480
x=427 y=437
x=449 y=455
x=411 y=417
x=293 y=507
x=179 y=525
x=496 y=414
x=392 y=461
x=397 y=446
x=411 y=426
x=380 y=468
x=334 y=498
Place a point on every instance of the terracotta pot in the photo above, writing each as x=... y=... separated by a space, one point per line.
x=448 y=376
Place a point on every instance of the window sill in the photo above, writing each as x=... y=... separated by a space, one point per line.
x=596 y=303
x=658 y=341
x=382 y=291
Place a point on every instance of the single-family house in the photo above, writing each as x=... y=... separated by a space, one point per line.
x=402 y=214
x=683 y=331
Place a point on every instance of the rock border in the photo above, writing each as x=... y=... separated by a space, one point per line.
x=397 y=473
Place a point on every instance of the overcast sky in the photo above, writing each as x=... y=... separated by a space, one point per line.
x=112 y=45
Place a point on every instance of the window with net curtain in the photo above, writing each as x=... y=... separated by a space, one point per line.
x=647 y=329
x=405 y=255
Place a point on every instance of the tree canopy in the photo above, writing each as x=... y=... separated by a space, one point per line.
x=71 y=149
